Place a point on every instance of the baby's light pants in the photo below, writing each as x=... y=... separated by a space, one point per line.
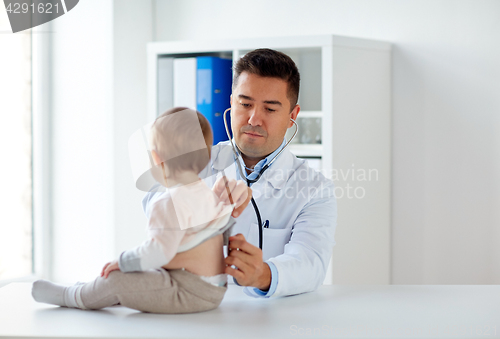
x=154 y=291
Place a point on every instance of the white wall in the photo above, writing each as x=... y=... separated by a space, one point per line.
x=99 y=100
x=446 y=126
x=446 y=121
x=82 y=141
x=132 y=29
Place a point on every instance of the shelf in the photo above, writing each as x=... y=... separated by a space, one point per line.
x=307 y=150
x=310 y=114
x=344 y=125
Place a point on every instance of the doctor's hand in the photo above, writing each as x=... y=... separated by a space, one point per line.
x=250 y=268
x=241 y=194
x=109 y=267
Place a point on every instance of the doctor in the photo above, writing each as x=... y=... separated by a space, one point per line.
x=296 y=202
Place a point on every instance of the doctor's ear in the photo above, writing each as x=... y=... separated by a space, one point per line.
x=293 y=115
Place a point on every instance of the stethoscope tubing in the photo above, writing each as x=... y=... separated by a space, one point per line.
x=252 y=181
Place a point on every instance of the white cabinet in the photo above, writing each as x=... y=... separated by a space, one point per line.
x=344 y=129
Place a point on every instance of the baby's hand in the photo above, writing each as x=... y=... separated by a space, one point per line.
x=109 y=267
x=240 y=194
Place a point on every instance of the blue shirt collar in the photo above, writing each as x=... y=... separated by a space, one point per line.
x=258 y=167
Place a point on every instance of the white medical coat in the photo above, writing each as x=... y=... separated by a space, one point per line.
x=300 y=205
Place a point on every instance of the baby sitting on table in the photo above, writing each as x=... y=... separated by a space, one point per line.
x=180 y=269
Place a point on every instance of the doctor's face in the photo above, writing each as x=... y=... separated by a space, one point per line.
x=260 y=114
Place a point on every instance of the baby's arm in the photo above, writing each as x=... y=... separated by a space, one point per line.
x=165 y=237
x=142 y=258
x=149 y=255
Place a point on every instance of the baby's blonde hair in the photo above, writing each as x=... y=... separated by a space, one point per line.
x=175 y=137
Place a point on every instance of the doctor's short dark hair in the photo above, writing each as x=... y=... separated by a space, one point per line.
x=267 y=62
x=176 y=137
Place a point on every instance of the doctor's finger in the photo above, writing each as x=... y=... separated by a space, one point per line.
x=231 y=187
x=239 y=193
x=242 y=202
x=244 y=195
x=234 y=272
x=245 y=257
x=242 y=265
x=224 y=197
x=243 y=245
x=220 y=186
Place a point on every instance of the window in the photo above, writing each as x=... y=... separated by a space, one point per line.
x=16 y=203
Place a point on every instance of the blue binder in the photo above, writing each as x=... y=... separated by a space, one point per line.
x=214 y=77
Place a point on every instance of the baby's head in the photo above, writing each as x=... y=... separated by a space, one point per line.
x=180 y=141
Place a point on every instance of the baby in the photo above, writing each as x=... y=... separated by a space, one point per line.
x=180 y=269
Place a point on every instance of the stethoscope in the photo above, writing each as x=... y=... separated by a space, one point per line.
x=237 y=153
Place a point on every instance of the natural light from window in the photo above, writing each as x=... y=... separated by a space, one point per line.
x=15 y=150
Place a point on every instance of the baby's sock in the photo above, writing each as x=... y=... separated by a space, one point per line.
x=47 y=292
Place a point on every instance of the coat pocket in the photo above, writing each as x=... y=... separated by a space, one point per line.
x=273 y=240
